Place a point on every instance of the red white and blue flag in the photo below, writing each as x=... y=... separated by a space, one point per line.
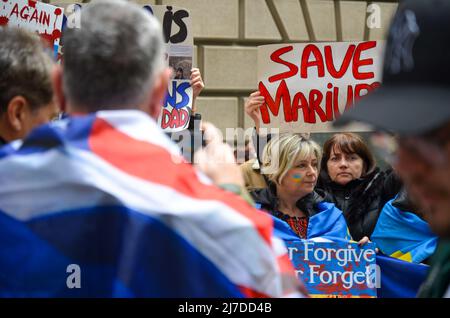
x=109 y=194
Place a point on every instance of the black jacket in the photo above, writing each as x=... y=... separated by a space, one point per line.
x=403 y=203
x=269 y=201
x=361 y=200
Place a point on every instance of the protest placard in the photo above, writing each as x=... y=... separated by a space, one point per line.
x=71 y=19
x=307 y=86
x=335 y=269
x=176 y=109
x=179 y=48
x=45 y=19
x=176 y=23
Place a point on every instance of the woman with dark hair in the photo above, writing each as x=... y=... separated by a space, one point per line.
x=350 y=179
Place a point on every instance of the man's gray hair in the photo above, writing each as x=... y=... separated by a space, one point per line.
x=24 y=68
x=110 y=61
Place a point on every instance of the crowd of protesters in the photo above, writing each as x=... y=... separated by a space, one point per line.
x=290 y=179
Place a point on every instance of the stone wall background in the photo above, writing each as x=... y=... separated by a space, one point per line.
x=226 y=33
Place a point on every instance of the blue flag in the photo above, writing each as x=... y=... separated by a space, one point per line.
x=398 y=278
x=403 y=235
x=329 y=223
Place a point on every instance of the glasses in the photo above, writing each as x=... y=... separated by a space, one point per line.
x=430 y=147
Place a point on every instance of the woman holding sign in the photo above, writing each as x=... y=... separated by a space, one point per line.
x=349 y=177
x=291 y=164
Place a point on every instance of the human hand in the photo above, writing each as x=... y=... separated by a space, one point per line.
x=363 y=241
x=252 y=105
x=216 y=160
x=210 y=133
x=197 y=86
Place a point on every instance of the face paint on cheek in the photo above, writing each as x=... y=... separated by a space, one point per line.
x=297 y=177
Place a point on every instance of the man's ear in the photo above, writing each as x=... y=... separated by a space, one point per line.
x=17 y=112
x=159 y=93
x=57 y=81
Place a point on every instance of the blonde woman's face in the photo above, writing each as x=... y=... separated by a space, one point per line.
x=301 y=179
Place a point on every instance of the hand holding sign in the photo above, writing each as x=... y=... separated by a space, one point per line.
x=365 y=240
x=252 y=108
x=197 y=86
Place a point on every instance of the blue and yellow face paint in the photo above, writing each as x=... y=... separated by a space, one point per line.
x=297 y=177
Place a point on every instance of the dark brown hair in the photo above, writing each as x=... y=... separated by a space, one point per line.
x=24 y=68
x=349 y=143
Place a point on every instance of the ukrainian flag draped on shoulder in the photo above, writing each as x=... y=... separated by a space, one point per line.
x=328 y=223
x=403 y=235
x=103 y=205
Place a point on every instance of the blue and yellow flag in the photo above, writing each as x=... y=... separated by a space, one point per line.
x=329 y=223
x=398 y=278
x=403 y=235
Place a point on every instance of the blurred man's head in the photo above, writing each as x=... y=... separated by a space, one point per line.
x=413 y=102
x=423 y=162
x=26 y=94
x=114 y=61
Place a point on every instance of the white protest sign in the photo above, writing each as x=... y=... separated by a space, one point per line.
x=179 y=48
x=177 y=105
x=39 y=17
x=307 y=86
x=176 y=24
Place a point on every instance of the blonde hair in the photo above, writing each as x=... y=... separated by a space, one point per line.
x=281 y=153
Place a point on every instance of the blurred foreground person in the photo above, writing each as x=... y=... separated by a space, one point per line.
x=413 y=102
x=26 y=94
x=101 y=204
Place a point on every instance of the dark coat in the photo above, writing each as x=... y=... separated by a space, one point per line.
x=361 y=200
x=403 y=203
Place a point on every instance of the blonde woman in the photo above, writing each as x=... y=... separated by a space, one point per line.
x=291 y=164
